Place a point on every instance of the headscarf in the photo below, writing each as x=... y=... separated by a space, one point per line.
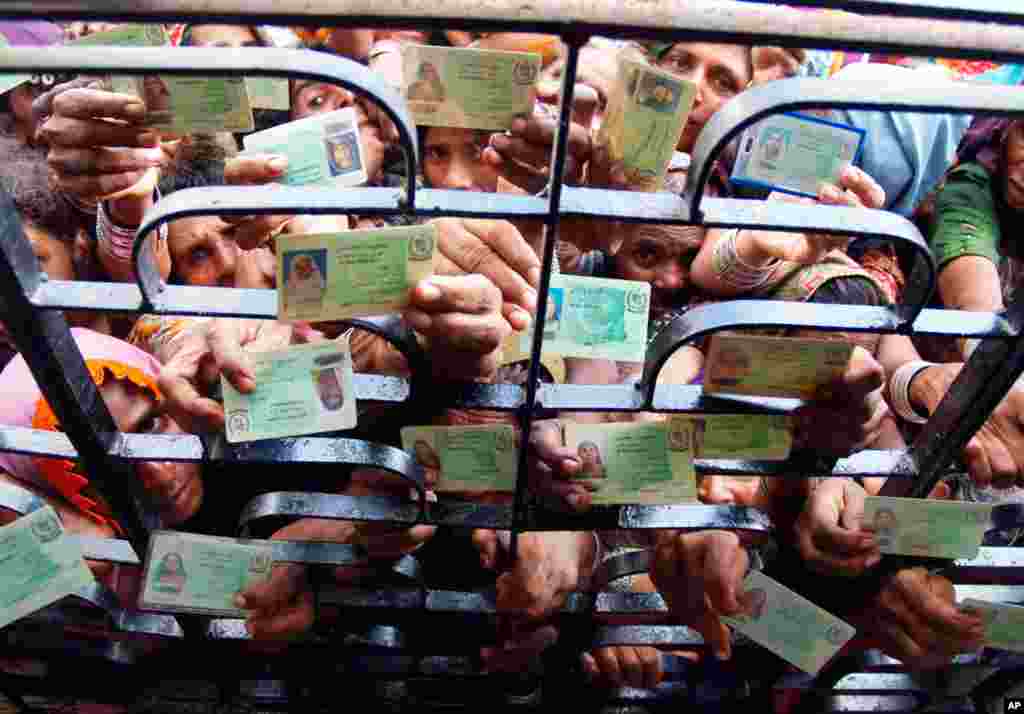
x=24 y=406
x=33 y=33
x=983 y=142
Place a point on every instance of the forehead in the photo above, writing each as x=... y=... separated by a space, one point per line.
x=672 y=238
x=231 y=34
x=452 y=135
x=184 y=232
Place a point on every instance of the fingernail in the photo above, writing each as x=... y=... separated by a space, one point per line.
x=873 y=560
x=239 y=601
x=429 y=292
x=135 y=108
x=533 y=276
x=828 y=192
x=148 y=137
x=419 y=320
x=500 y=142
x=278 y=165
x=523 y=317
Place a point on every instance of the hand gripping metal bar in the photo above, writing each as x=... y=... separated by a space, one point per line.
x=710 y=21
x=983 y=382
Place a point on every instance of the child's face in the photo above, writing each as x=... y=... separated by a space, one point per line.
x=453 y=158
x=662 y=256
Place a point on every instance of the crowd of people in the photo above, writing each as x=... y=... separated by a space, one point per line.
x=73 y=148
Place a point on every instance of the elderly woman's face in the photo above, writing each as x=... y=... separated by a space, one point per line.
x=175 y=489
x=204 y=253
x=662 y=256
x=1014 y=157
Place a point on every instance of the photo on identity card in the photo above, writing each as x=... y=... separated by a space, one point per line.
x=795 y=154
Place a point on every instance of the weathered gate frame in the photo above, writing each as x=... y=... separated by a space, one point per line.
x=993 y=30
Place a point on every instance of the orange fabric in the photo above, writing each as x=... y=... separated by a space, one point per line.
x=62 y=474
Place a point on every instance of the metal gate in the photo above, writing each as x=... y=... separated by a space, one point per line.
x=81 y=647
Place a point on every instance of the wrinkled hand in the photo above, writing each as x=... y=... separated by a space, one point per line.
x=847 y=417
x=996 y=452
x=700 y=576
x=524 y=154
x=549 y=567
x=202 y=356
x=496 y=250
x=828 y=532
x=856 y=189
x=98 y=145
x=915 y=619
x=554 y=469
x=280 y=607
x=624 y=666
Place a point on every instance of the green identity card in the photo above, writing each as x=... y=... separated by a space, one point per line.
x=335 y=276
x=797 y=368
x=322 y=149
x=187 y=105
x=646 y=115
x=305 y=389
x=792 y=627
x=597 y=318
x=735 y=436
x=468 y=88
x=1004 y=624
x=40 y=565
x=794 y=153
x=469 y=458
x=927 y=527
x=269 y=93
x=200 y=574
x=131 y=35
x=633 y=462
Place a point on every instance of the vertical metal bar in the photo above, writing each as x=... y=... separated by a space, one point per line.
x=981 y=385
x=45 y=341
x=526 y=412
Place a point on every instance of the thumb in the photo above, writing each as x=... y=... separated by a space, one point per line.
x=274 y=592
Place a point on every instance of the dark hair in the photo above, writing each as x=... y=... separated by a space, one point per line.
x=186 y=35
x=25 y=178
x=849 y=290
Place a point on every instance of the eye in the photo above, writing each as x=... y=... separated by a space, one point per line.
x=646 y=256
x=199 y=255
x=724 y=83
x=435 y=153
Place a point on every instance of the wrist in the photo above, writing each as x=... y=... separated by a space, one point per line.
x=750 y=251
x=911 y=391
x=129 y=211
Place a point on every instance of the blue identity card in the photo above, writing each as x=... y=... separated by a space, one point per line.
x=795 y=153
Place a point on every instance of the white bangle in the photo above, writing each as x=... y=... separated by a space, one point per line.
x=899 y=390
x=585 y=581
x=730 y=267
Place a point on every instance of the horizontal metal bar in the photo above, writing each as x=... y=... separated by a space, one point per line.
x=709 y=20
x=472 y=515
x=647 y=636
x=979 y=10
x=142 y=623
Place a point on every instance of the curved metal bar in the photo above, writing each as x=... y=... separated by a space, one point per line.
x=774 y=314
x=619 y=566
x=336 y=554
x=143 y=623
x=1002 y=566
x=338 y=452
x=647 y=636
x=787 y=95
x=161 y=298
x=691 y=517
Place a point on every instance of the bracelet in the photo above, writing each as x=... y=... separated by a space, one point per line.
x=117 y=241
x=730 y=268
x=899 y=390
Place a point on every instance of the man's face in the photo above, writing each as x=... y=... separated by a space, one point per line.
x=453 y=158
x=1013 y=153
x=660 y=255
x=720 y=73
